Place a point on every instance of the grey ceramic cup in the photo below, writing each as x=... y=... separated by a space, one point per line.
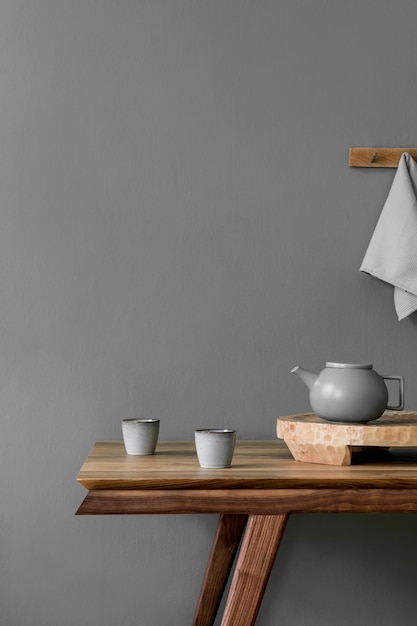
x=140 y=435
x=215 y=447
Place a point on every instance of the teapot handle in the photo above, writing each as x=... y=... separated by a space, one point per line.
x=401 y=389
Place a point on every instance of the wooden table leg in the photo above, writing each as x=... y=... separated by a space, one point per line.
x=256 y=557
x=225 y=545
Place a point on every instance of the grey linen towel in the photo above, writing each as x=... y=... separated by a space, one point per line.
x=392 y=252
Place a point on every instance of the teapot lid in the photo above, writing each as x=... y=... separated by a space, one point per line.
x=359 y=366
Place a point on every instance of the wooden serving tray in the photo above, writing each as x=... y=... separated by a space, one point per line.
x=314 y=440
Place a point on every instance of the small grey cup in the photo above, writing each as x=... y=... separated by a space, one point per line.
x=140 y=436
x=215 y=447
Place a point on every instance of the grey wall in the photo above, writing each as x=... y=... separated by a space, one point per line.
x=179 y=227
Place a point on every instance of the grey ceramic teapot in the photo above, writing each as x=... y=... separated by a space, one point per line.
x=348 y=392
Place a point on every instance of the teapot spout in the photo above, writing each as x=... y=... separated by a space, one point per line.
x=307 y=377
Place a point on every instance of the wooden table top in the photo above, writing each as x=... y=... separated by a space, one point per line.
x=256 y=465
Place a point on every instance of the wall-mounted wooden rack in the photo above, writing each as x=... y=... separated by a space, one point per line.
x=378 y=157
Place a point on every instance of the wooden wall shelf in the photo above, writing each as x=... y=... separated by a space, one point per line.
x=378 y=157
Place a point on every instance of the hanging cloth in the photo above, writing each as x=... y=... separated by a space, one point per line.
x=392 y=252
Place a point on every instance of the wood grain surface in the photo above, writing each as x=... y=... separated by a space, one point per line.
x=254 y=564
x=225 y=546
x=263 y=486
x=315 y=440
x=256 y=465
x=378 y=157
x=250 y=501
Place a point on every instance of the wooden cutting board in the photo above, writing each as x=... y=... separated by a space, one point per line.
x=311 y=439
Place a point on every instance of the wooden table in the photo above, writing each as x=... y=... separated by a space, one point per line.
x=254 y=499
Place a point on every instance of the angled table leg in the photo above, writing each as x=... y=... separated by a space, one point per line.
x=225 y=545
x=256 y=557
